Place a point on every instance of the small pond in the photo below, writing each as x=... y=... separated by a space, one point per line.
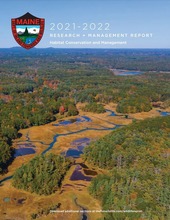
x=81 y=141
x=21 y=201
x=6 y=199
x=127 y=72
x=23 y=151
x=73 y=153
x=73 y=120
x=130 y=73
x=164 y=113
x=78 y=175
x=80 y=144
x=90 y=172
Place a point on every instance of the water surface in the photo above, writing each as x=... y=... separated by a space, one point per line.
x=23 y=151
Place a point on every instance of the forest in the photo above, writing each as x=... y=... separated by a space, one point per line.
x=94 y=107
x=25 y=110
x=134 y=104
x=34 y=89
x=42 y=175
x=137 y=158
x=42 y=85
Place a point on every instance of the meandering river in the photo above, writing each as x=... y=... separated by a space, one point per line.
x=85 y=119
x=66 y=122
x=55 y=138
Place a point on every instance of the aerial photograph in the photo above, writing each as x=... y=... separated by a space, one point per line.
x=85 y=110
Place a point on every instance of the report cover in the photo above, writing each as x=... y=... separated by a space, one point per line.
x=84 y=110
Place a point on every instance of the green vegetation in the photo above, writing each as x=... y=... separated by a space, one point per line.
x=35 y=90
x=25 y=35
x=42 y=175
x=26 y=103
x=67 y=106
x=5 y=154
x=94 y=107
x=134 y=104
x=137 y=157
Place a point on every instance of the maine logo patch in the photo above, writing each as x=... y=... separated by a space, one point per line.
x=27 y=30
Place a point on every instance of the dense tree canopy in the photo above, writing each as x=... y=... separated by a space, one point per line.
x=94 y=107
x=139 y=163
x=20 y=110
x=35 y=90
x=42 y=175
x=134 y=104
